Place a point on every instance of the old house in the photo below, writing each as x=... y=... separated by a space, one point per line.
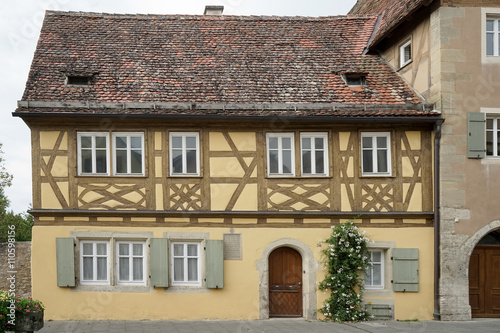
x=189 y=167
x=448 y=51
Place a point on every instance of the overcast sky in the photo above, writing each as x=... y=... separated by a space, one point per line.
x=20 y=23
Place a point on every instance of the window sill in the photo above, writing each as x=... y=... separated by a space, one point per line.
x=117 y=288
x=112 y=176
x=378 y=293
x=490 y=160
x=403 y=66
x=186 y=290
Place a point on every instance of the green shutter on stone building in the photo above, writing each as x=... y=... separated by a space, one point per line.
x=159 y=262
x=405 y=270
x=476 y=135
x=65 y=256
x=215 y=264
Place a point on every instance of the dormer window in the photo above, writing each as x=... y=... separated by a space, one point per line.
x=354 y=79
x=405 y=54
x=72 y=80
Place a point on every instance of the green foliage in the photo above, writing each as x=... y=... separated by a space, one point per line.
x=15 y=305
x=346 y=256
x=5 y=177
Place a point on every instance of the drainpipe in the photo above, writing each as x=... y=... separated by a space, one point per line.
x=437 y=224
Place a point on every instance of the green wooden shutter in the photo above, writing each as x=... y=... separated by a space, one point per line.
x=405 y=269
x=215 y=264
x=159 y=262
x=65 y=256
x=476 y=135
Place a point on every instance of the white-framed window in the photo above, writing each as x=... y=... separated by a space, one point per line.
x=374 y=274
x=405 y=53
x=131 y=263
x=280 y=154
x=493 y=137
x=376 y=153
x=185 y=266
x=94 y=262
x=184 y=154
x=93 y=153
x=128 y=153
x=314 y=154
x=493 y=37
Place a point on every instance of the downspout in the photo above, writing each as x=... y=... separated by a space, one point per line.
x=437 y=224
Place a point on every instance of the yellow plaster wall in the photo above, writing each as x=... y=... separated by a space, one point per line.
x=48 y=140
x=239 y=299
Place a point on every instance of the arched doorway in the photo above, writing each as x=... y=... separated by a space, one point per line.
x=484 y=277
x=285 y=283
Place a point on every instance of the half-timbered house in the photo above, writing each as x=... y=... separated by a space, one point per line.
x=189 y=167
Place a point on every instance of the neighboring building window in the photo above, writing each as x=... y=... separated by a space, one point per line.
x=314 y=154
x=493 y=37
x=131 y=263
x=94 y=262
x=128 y=153
x=493 y=137
x=93 y=152
x=185 y=264
x=280 y=154
x=184 y=154
x=405 y=53
x=376 y=153
x=355 y=80
x=374 y=275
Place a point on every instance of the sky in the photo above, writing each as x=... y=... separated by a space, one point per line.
x=20 y=23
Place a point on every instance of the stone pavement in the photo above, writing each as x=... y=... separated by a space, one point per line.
x=269 y=326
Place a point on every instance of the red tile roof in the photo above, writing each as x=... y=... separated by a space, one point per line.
x=209 y=59
x=392 y=13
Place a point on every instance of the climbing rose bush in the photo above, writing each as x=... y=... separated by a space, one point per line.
x=345 y=257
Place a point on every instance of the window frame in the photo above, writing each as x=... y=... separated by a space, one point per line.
x=496 y=36
x=184 y=172
x=128 y=149
x=382 y=270
x=185 y=257
x=402 y=53
x=280 y=136
x=326 y=164
x=131 y=257
x=495 y=132
x=375 y=172
x=94 y=255
x=93 y=136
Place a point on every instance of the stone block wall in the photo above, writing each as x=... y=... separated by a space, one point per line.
x=21 y=268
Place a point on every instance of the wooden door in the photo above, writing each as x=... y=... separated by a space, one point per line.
x=285 y=283
x=484 y=281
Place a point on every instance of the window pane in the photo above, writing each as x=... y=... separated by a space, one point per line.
x=177 y=161
x=367 y=161
x=382 y=161
x=489 y=44
x=320 y=162
x=192 y=269
x=381 y=142
x=137 y=249
x=489 y=25
x=367 y=142
x=86 y=142
x=489 y=143
x=287 y=161
x=191 y=161
x=86 y=160
x=102 y=264
x=123 y=249
x=273 y=143
x=376 y=256
x=489 y=123
x=178 y=269
x=100 y=142
x=498 y=143
x=121 y=142
x=306 y=162
x=190 y=142
x=136 y=142
x=101 y=163
x=192 y=250
x=102 y=249
x=136 y=161
x=87 y=249
x=319 y=143
x=273 y=161
x=138 y=273
x=178 y=250
x=408 y=53
x=124 y=269
x=306 y=143
x=121 y=161
x=286 y=143
x=176 y=142
x=368 y=276
x=377 y=281
x=88 y=269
